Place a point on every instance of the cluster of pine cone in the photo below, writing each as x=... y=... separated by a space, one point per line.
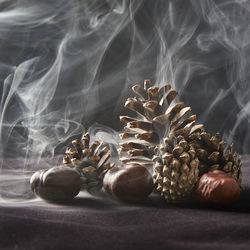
x=166 y=134
x=162 y=138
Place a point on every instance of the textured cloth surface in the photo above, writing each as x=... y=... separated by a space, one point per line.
x=102 y=223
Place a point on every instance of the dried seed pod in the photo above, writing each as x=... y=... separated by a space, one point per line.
x=176 y=171
x=57 y=183
x=91 y=160
x=217 y=188
x=132 y=182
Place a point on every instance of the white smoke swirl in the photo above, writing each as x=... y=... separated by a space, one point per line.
x=66 y=65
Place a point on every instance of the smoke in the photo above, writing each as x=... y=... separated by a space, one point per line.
x=53 y=94
x=67 y=65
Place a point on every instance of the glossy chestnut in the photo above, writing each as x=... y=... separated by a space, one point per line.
x=57 y=183
x=131 y=182
x=217 y=188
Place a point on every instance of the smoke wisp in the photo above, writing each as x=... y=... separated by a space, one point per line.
x=67 y=65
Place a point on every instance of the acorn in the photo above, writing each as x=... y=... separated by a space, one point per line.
x=130 y=183
x=217 y=188
x=57 y=183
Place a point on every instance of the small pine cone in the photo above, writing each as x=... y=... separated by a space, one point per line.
x=91 y=160
x=213 y=155
x=175 y=170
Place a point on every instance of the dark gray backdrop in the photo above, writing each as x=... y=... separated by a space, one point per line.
x=66 y=65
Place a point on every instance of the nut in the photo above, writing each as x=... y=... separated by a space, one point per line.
x=132 y=182
x=109 y=178
x=217 y=188
x=57 y=183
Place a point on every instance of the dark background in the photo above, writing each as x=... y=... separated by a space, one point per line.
x=66 y=65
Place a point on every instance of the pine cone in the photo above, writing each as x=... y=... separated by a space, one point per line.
x=176 y=169
x=212 y=155
x=90 y=160
x=158 y=118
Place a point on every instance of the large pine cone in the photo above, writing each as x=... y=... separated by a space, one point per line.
x=90 y=160
x=159 y=117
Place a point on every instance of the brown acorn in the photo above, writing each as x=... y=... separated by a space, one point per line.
x=57 y=183
x=130 y=183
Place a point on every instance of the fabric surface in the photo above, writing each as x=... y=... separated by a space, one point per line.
x=102 y=223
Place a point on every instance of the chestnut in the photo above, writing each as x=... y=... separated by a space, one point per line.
x=57 y=183
x=132 y=182
x=217 y=188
